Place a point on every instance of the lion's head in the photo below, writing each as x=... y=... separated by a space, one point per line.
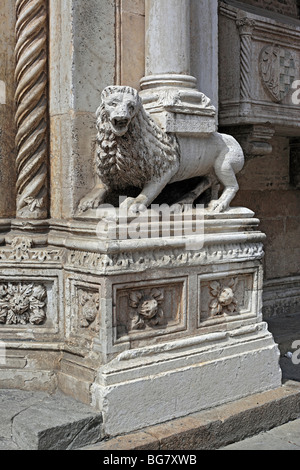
x=131 y=149
x=120 y=105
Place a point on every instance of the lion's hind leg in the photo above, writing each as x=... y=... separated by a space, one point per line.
x=189 y=199
x=228 y=163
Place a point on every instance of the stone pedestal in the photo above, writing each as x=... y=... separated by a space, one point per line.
x=144 y=329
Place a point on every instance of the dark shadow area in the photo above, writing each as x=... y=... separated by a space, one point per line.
x=286 y=331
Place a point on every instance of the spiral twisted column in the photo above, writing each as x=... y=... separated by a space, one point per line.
x=31 y=78
x=246 y=26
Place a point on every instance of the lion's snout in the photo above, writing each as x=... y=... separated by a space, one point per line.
x=120 y=124
x=120 y=121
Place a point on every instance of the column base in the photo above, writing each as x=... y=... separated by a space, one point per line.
x=174 y=101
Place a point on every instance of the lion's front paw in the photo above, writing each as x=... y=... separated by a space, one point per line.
x=133 y=206
x=91 y=201
x=217 y=206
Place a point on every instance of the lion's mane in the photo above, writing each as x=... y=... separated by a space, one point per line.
x=144 y=153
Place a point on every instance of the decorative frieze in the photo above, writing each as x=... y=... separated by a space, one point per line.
x=22 y=250
x=168 y=257
x=22 y=303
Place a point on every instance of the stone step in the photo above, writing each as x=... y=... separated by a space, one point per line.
x=214 y=428
x=38 y=421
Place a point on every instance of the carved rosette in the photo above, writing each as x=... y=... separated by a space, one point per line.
x=224 y=300
x=147 y=309
x=22 y=304
x=31 y=79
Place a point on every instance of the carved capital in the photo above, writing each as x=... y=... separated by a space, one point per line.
x=246 y=25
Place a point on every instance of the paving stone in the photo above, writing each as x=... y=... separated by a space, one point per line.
x=285 y=437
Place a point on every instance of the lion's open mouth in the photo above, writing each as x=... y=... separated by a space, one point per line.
x=120 y=125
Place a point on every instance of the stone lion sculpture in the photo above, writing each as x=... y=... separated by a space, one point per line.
x=133 y=151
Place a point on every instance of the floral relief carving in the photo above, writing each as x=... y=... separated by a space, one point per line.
x=20 y=247
x=22 y=304
x=147 y=309
x=89 y=309
x=224 y=300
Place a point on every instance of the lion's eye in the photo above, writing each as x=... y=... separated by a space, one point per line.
x=131 y=108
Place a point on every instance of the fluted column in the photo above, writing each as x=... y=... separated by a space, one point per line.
x=31 y=79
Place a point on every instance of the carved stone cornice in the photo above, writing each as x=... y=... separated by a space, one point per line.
x=31 y=78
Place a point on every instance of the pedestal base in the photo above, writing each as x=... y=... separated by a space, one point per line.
x=144 y=329
x=151 y=386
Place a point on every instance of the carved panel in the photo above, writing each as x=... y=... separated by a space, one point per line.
x=277 y=71
x=225 y=297
x=149 y=310
x=89 y=303
x=283 y=7
x=258 y=84
x=22 y=303
x=82 y=310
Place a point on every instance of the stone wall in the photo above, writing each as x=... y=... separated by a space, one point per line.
x=267 y=128
x=284 y=7
x=130 y=35
x=266 y=189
